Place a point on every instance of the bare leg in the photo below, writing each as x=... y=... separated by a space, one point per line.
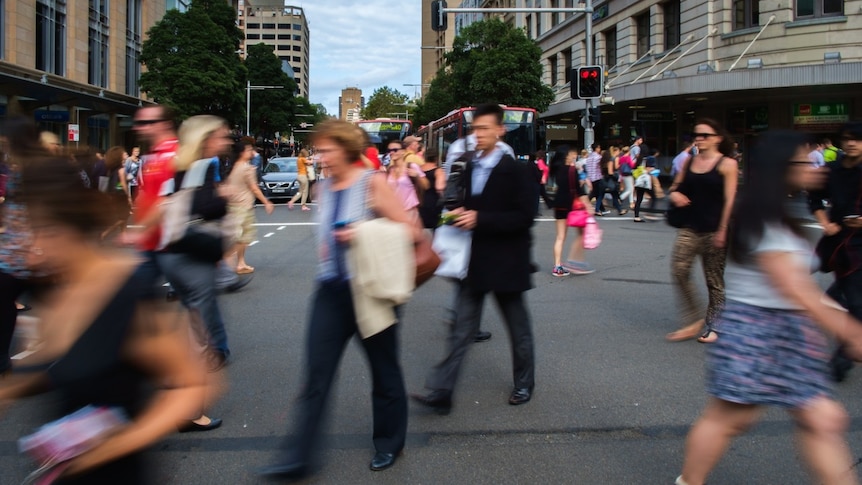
x=710 y=436
x=240 y=256
x=559 y=241
x=820 y=432
x=576 y=250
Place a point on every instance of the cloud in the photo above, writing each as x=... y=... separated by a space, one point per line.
x=367 y=44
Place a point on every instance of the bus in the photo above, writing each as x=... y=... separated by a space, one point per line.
x=520 y=130
x=382 y=131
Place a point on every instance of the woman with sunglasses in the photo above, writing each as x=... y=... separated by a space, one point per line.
x=704 y=192
x=773 y=349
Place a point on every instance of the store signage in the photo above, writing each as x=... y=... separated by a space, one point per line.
x=73 y=132
x=654 y=116
x=561 y=132
x=757 y=118
x=45 y=116
x=600 y=12
x=821 y=116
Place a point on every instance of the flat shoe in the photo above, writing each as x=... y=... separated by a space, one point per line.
x=191 y=426
x=382 y=461
x=520 y=395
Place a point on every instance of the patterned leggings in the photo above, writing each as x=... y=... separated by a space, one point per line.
x=690 y=244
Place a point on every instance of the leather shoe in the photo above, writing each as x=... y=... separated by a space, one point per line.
x=520 y=395
x=439 y=401
x=290 y=470
x=382 y=461
x=191 y=426
x=482 y=336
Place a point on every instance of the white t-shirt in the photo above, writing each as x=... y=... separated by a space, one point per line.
x=749 y=284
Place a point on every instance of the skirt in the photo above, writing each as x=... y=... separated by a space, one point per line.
x=768 y=357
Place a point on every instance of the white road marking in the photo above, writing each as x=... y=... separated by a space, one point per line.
x=286 y=224
x=281 y=228
x=253 y=243
x=269 y=234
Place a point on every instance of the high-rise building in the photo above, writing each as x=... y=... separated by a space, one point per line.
x=434 y=46
x=68 y=66
x=463 y=20
x=350 y=104
x=283 y=27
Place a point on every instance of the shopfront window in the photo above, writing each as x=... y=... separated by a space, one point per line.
x=98 y=44
x=818 y=8
x=51 y=36
x=642 y=32
x=670 y=12
x=746 y=14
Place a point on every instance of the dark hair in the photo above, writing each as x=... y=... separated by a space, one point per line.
x=540 y=155
x=594 y=146
x=853 y=128
x=726 y=145
x=432 y=155
x=489 y=109
x=22 y=137
x=559 y=159
x=763 y=197
x=114 y=158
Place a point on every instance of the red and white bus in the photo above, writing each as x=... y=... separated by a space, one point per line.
x=520 y=129
x=385 y=130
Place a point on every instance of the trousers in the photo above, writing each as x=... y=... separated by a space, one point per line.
x=688 y=246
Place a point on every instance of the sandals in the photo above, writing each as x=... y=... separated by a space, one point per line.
x=686 y=333
x=245 y=270
x=710 y=336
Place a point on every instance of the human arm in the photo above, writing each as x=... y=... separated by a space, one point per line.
x=251 y=182
x=386 y=204
x=511 y=216
x=415 y=172
x=677 y=198
x=729 y=169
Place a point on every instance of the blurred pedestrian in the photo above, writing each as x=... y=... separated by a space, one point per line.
x=350 y=194
x=705 y=191
x=430 y=208
x=626 y=167
x=302 y=163
x=131 y=167
x=566 y=178
x=117 y=199
x=773 y=349
x=103 y=345
x=611 y=159
x=407 y=180
x=545 y=173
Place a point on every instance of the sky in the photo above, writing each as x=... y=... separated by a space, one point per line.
x=363 y=43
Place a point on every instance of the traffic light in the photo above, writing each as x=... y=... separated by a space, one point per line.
x=439 y=20
x=594 y=114
x=590 y=83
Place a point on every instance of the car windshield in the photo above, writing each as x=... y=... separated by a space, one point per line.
x=281 y=165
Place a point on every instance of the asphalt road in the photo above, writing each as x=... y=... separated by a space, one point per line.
x=612 y=405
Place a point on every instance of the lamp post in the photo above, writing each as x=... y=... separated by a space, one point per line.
x=248 y=89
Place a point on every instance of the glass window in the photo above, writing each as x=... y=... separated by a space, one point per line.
x=97 y=58
x=297 y=27
x=284 y=26
x=296 y=69
x=133 y=46
x=284 y=47
x=283 y=36
x=297 y=37
x=670 y=11
x=553 y=65
x=297 y=59
x=538 y=25
x=268 y=36
x=529 y=22
x=819 y=8
x=567 y=65
x=610 y=48
x=746 y=14
x=268 y=26
x=643 y=37
x=252 y=26
x=51 y=36
x=252 y=36
x=297 y=48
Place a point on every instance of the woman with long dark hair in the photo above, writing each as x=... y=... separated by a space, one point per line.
x=569 y=189
x=773 y=348
x=705 y=190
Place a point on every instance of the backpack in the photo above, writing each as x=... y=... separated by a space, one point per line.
x=456 y=182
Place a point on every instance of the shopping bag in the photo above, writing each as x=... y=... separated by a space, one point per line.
x=453 y=245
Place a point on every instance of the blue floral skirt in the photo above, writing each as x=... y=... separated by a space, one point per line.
x=768 y=357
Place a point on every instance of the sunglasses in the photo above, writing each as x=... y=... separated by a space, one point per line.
x=392 y=150
x=703 y=135
x=145 y=122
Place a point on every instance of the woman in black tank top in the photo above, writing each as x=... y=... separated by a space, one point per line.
x=705 y=188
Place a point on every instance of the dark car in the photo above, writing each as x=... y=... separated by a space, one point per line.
x=279 y=178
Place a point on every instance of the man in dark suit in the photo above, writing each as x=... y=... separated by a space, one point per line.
x=501 y=200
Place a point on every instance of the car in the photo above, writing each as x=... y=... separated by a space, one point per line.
x=279 y=178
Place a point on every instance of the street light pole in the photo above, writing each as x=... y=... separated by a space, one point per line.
x=248 y=89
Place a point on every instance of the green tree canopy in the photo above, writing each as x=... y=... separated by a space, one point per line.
x=272 y=110
x=192 y=62
x=383 y=102
x=490 y=62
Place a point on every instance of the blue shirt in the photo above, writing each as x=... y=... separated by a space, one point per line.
x=482 y=167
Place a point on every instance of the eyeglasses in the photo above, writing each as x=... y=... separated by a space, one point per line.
x=145 y=122
x=703 y=135
x=392 y=150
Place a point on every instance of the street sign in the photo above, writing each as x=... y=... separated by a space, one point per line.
x=73 y=132
x=304 y=125
x=821 y=117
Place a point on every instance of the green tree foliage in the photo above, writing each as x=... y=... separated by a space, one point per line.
x=490 y=62
x=192 y=62
x=384 y=102
x=271 y=109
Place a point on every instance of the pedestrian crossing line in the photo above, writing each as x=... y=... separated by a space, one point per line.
x=269 y=234
x=253 y=243
x=281 y=228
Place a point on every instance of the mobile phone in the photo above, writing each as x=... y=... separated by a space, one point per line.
x=852 y=216
x=340 y=224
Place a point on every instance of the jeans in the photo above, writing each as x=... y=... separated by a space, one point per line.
x=10 y=289
x=640 y=198
x=194 y=282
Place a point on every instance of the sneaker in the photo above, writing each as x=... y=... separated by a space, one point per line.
x=579 y=267
x=560 y=271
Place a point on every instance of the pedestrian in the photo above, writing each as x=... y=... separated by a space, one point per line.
x=596 y=177
x=302 y=163
x=841 y=222
x=545 y=172
x=407 y=180
x=645 y=183
x=611 y=162
x=635 y=150
x=816 y=154
x=412 y=145
x=681 y=159
x=430 y=208
x=626 y=167
x=501 y=200
x=116 y=198
x=103 y=344
x=705 y=192
x=566 y=178
x=241 y=190
x=350 y=194
x=131 y=167
x=773 y=349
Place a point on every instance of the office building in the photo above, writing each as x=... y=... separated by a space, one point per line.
x=434 y=46
x=283 y=27
x=350 y=104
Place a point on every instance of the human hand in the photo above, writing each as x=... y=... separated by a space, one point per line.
x=269 y=207
x=831 y=229
x=467 y=219
x=679 y=199
x=344 y=235
x=720 y=238
x=853 y=223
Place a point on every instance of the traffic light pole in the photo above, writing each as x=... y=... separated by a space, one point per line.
x=586 y=122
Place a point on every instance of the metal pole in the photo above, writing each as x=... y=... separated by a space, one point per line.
x=589 y=134
x=247 y=107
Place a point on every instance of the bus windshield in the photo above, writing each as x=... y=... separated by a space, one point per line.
x=382 y=132
x=520 y=130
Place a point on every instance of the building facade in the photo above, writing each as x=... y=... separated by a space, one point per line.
x=463 y=20
x=752 y=65
x=285 y=28
x=65 y=65
x=350 y=104
x=434 y=46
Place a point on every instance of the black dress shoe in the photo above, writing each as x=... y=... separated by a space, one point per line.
x=191 y=426
x=382 y=461
x=482 y=336
x=439 y=401
x=520 y=395
x=292 y=470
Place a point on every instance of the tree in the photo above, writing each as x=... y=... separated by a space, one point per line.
x=272 y=110
x=490 y=62
x=192 y=62
x=384 y=102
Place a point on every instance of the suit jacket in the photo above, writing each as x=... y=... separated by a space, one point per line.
x=501 y=256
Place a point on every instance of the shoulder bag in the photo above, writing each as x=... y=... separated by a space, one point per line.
x=577 y=217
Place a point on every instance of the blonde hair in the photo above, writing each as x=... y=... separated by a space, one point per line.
x=345 y=134
x=303 y=153
x=615 y=151
x=193 y=135
x=625 y=149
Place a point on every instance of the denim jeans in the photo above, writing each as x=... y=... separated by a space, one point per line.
x=194 y=282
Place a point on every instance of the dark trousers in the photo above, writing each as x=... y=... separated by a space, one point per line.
x=599 y=193
x=468 y=315
x=847 y=290
x=332 y=325
x=10 y=289
x=640 y=191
